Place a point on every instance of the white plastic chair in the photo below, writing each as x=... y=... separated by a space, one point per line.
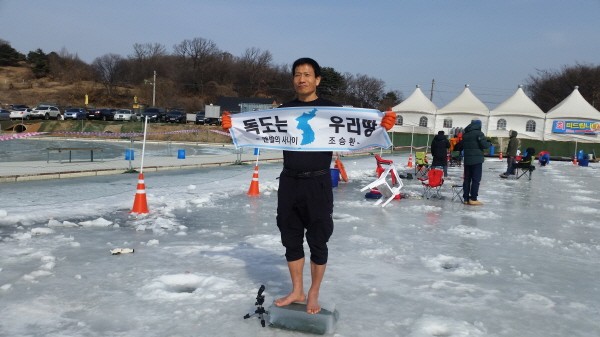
x=388 y=192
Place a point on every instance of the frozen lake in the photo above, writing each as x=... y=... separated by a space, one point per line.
x=35 y=149
x=526 y=263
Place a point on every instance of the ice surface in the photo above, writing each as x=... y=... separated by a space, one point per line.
x=526 y=263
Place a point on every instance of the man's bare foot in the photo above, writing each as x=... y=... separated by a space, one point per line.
x=289 y=299
x=312 y=305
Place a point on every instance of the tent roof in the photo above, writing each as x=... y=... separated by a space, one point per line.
x=518 y=104
x=416 y=102
x=574 y=106
x=467 y=103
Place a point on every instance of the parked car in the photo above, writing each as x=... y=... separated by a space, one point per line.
x=13 y=107
x=154 y=114
x=104 y=114
x=75 y=113
x=4 y=115
x=175 y=116
x=125 y=115
x=200 y=117
x=212 y=121
x=21 y=113
x=46 y=112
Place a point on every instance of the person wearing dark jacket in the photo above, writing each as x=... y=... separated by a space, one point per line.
x=439 y=150
x=524 y=163
x=511 y=152
x=473 y=144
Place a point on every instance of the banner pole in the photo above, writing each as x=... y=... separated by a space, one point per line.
x=144 y=144
x=257 y=153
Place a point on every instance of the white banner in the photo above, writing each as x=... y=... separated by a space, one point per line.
x=317 y=128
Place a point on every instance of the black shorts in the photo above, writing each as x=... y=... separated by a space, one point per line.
x=305 y=204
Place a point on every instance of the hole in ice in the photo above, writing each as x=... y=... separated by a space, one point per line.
x=181 y=289
x=449 y=265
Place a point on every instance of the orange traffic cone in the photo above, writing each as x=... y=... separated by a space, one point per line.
x=575 y=160
x=140 y=205
x=500 y=157
x=410 y=164
x=253 y=191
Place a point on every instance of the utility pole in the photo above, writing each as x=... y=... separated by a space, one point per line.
x=154 y=90
x=431 y=92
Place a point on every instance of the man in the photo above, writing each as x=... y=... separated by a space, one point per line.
x=511 y=153
x=305 y=197
x=473 y=144
x=524 y=163
x=439 y=150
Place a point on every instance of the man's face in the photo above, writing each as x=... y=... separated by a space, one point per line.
x=305 y=82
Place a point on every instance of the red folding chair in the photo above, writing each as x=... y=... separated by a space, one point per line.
x=433 y=184
x=387 y=162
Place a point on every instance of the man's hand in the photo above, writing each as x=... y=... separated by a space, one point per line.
x=226 y=121
x=388 y=120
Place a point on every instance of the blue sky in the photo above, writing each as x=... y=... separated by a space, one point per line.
x=491 y=45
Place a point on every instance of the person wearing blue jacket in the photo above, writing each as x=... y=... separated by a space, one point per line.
x=544 y=158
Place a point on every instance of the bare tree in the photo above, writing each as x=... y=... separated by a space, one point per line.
x=257 y=58
x=107 y=69
x=148 y=51
x=197 y=51
x=549 y=87
x=197 y=55
x=146 y=58
x=68 y=67
x=223 y=68
x=365 y=91
x=253 y=68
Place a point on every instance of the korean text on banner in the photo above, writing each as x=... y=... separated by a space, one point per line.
x=310 y=129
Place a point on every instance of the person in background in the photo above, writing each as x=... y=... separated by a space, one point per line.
x=305 y=197
x=544 y=158
x=473 y=145
x=524 y=163
x=439 y=150
x=511 y=152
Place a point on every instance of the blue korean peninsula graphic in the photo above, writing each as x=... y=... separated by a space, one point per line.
x=308 y=135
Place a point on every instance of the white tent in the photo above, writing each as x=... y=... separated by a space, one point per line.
x=459 y=113
x=517 y=113
x=415 y=114
x=573 y=119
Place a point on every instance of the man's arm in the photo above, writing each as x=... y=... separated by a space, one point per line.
x=484 y=144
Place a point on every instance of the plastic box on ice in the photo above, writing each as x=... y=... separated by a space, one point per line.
x=294 y=317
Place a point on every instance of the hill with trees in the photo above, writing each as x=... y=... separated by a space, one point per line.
x=550 y=87
x=195 y=73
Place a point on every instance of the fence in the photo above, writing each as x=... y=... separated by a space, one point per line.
x=403 y=141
